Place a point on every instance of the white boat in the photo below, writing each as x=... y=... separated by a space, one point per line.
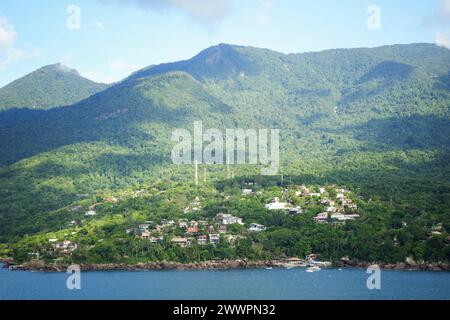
x=313 y=269
x=269 y=268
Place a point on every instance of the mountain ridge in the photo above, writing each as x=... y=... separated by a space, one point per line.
x=384 y=134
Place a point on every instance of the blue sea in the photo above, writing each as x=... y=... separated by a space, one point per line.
x=259 y=284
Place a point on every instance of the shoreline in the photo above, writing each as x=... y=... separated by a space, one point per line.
x=39 y=266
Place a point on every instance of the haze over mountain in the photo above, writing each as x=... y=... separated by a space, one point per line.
x=376 y=119
x=48 y=87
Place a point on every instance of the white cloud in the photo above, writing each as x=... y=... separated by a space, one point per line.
x=11 y=56
x=7 y=34
x=442 y=40
x=209 y=11
x=443 y=18
x=8 y=52
x=64 y=68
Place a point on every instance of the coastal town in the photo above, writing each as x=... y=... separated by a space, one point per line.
x=192 y=228
x=246 y=225
x=186 y=232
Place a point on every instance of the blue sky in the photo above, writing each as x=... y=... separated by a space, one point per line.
x=117 y=37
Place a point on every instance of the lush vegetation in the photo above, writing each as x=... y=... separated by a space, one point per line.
x=50 y=86
x=382 y=233
x=374 y=120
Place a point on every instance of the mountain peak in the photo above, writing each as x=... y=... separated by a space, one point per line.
x=222 y=53
x=47 y=87
x=61 y=68
x=218 y=62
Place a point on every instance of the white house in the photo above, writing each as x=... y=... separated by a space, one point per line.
x=257 y=227
x=275 y=204
x=182 y=242
x=295 y=210
x=202 y=240
x=338 y=216
x=321 y=217
x=340 y=196
x=227 y=219
x=214 y=238
x=183 y=223
x=344 y=217
x=90 y=213
x=144 y=227
x=66 y=246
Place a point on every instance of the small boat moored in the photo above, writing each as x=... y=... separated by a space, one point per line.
x=313 y=269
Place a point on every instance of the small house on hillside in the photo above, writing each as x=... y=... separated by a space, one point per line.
x=255 y=227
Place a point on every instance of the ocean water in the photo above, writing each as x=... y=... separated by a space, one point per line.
x=258 y=284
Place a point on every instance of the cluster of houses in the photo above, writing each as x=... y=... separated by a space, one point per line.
x=214 y=230
x=194 y=206
x=338 y=210
x=306 y=192
x=63 y=247
x=200 y=232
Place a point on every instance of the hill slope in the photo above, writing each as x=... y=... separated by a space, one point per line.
x=48 y=87
x=373 y=119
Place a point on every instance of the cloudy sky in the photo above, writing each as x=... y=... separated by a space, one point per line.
x=105 y=40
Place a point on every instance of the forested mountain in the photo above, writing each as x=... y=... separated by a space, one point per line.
x=48 y=87
x=376 y=120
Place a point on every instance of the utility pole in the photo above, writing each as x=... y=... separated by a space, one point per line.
x=228 y=166
x=196 y=172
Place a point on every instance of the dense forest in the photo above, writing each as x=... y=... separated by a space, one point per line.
x=373 y=120
x=50 y=86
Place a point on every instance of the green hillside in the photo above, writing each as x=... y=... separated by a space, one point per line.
x=49 y=87
x=374 y=120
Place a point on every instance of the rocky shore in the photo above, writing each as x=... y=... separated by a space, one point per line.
x=212 y=265
x=408 y=265
x=207 y=265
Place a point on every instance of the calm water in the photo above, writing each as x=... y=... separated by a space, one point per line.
x=223 y=285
